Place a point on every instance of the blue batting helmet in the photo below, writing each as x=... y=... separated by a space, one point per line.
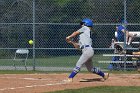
x=87 y=22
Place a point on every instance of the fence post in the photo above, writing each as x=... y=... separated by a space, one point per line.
x=34 y=35
x=125 y=58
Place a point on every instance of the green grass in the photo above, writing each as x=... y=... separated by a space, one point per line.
x=102 y=89
x=58 y=61
x=59 y=72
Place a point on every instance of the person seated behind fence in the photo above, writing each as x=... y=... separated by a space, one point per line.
x=135 y=54
x=118 y=47
x=121 y=30
x=113 y=65
x=120 y=50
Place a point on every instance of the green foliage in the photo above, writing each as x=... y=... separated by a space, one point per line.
x=62 y=2
x=59 y=11
x=133 y=10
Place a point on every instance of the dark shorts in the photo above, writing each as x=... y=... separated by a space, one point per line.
x=120 y=39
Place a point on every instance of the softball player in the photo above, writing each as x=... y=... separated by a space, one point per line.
x=121 y=30
x=85 y=44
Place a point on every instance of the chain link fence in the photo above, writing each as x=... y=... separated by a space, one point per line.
x=48 y=22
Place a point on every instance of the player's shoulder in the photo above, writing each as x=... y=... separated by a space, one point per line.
x=120 y=27
x=84 y=28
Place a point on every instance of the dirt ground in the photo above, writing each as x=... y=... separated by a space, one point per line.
x=38 y=83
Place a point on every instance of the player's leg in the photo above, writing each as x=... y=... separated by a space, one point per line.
x=98 y=71
x=88 y=53
x=79 y=64
x=76 y=69
x=89 y=65
x=136 y=53
x=130 y=38
x=74 y=72
x=92 y=69
x=115 y=65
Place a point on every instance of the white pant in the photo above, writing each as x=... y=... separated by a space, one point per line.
x=86 y=58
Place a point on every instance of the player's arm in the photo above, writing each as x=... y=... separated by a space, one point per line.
x=132 y=53
x=69 y=39
x=127 y=33
x=73 y=35
x=75 y=44
x=136 y=53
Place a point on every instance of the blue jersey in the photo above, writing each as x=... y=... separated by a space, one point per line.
x=120 y=33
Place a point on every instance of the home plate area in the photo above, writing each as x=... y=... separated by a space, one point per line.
x=38 y=83
x=28 y=83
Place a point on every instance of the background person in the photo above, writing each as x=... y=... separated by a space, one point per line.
x=121 y=30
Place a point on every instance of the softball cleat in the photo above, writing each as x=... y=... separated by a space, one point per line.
x=106 y=76
x=68 y=80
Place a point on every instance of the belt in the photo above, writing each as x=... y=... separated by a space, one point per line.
x=83 y=46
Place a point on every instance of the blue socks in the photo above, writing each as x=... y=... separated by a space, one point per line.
x=98 y=72
x=94 y=70
x=74 y=72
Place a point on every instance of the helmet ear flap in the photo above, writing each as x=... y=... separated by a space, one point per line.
x=82 y=23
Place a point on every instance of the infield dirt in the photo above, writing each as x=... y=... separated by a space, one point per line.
x=38 y=83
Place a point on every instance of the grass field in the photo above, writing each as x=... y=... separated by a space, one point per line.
x=56 y=61
x=102 y=89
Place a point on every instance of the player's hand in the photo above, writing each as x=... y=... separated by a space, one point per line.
x=68 y=39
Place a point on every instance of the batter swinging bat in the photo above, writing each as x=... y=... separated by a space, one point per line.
x=71 y=41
